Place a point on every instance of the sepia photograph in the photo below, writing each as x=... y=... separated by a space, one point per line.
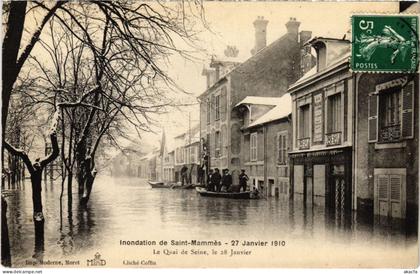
x=209 y=134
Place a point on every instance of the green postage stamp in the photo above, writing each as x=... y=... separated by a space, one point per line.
x=384 y=43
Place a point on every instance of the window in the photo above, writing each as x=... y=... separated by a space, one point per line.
x=282 y=148
x=218 y=144
x=208 y=111
x=186 y=155
x=193 y=154
x=304 y=122
x=217 y=107
x=391 y=116
x=334 y=113
x=253 y=148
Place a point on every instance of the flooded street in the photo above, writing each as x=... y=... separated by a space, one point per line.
x=128 y=209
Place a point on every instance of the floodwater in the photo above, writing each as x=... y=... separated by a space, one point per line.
x=128 y=209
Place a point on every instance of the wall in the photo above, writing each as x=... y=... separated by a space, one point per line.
x=267 y=151
x=371 y=155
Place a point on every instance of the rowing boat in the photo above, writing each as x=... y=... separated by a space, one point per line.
x=229 y=195
x=170 y=185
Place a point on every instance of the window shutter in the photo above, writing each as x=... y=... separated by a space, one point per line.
x=213 y=108
x=212 y=144
x=395 y=195
x=223 y=102
x=407 y=113
x=383 y=194
x=373 y=118
x=285 y=148
x=278 y=140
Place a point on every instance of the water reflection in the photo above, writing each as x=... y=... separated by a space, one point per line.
x=129 y=208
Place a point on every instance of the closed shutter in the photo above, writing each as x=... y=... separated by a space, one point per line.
x=407 y=113
x=373 y=118
x=383 y=194
x=260 y=147
x=223 y=103
x=212 y=144
x=213 y=108
x=223 y=143
x=285 y=149
x=395 y=195
x=278 y=140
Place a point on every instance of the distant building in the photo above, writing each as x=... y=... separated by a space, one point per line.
x=187 y=153
x=265 y=142
x=322 y=111
x=268 y=73
x=147 y=166
x=126 y=163
x=167 y=159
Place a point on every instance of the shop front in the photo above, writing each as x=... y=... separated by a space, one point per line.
x=323 y=179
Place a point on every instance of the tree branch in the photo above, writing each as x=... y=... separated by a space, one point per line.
x=20 y=153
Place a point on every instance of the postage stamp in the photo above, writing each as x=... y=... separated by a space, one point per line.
x=383 y=43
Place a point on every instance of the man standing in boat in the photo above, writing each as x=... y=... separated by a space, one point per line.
x=243 y=179
x=184 y=170
x=226 y=180
x=215 y=180
x=209 y=185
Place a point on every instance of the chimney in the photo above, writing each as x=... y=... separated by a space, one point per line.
x=307 y=60
x=260 y=25
x=293 y=27
x=304 y=37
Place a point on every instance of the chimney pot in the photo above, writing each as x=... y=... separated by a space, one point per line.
x=260 y=25
x=293 y=26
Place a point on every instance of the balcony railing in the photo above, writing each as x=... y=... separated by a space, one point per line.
x=333 y=139
x=304 y=143
x=390 y=133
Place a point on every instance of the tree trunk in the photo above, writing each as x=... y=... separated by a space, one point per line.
x=39 y=240
x=36 y=180
x=88 y=189
x=11 y=45
x=81 y=163
x=69 y=188
x=6 y=259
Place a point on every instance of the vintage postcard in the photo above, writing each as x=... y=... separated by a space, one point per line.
x=191 y=134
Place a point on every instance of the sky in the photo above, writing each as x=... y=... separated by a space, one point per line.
x=231 y=23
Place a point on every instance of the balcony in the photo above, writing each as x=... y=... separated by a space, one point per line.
x=333 y=139
x=389 y=134
x=304 y=143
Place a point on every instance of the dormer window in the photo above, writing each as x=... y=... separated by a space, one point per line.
x=321 y=57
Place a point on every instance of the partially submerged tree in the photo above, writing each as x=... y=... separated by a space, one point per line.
x=36 y=167
x=116 y=59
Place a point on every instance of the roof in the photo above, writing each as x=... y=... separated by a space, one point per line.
x=253 y=58
x=258 y=100
x=313 y=74
x=282 y=109
x=148 y=156
x=317 y=39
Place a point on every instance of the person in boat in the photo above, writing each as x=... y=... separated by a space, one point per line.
x=215 y=180
x=255 y=193
x=184 y=170
x=209 y=185
x=243 y=180
x=226 y=180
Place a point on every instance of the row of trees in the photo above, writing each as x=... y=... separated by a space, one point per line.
x=91 y=69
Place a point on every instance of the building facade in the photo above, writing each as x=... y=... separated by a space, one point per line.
x=187 y=153
x=322 y=111
x=268 y=72
x=265 y=142
x=386 y=157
